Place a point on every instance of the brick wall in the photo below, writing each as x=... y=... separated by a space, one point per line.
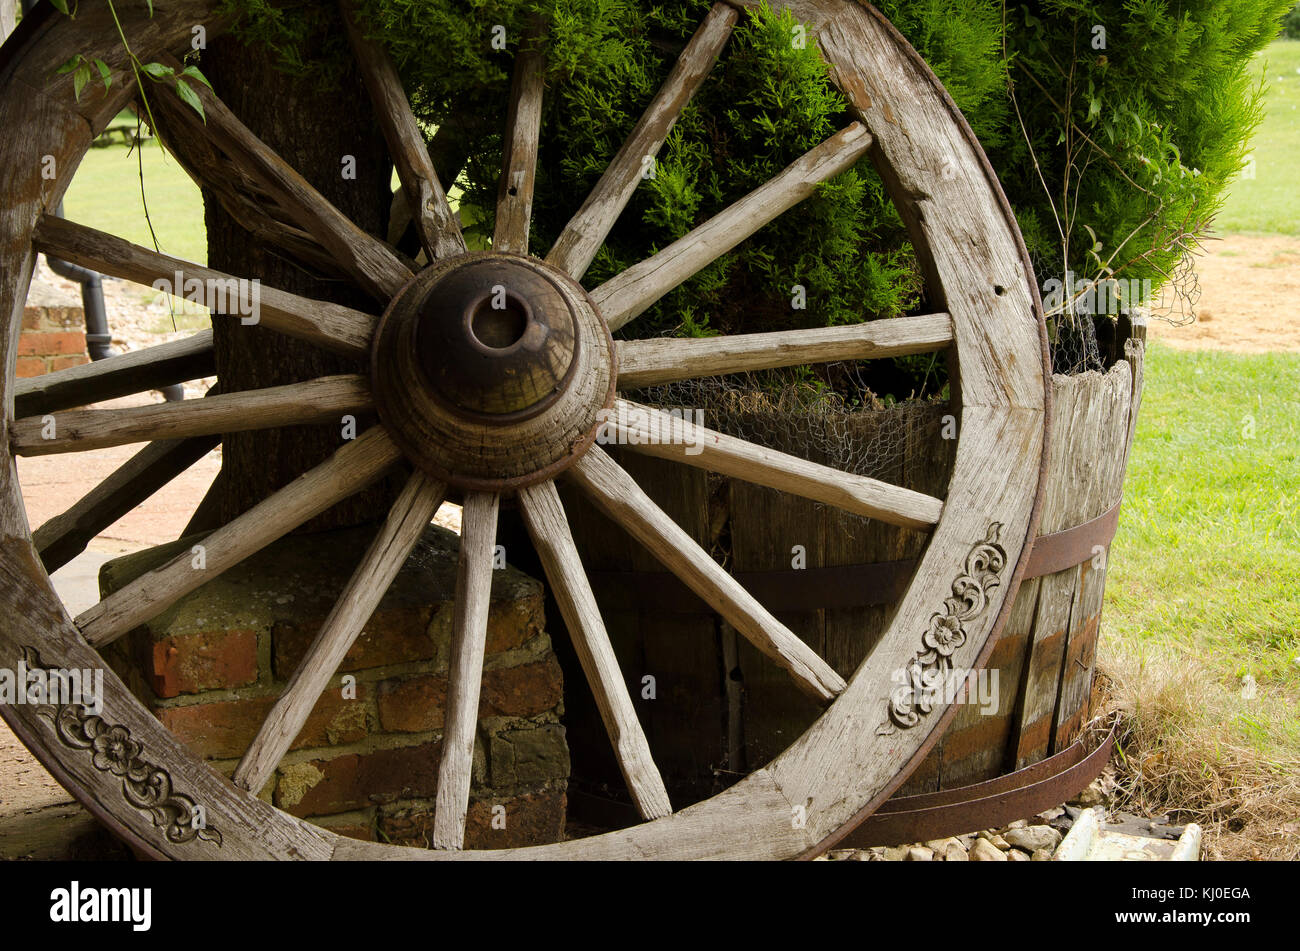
x=366 y=763
x=53 y=338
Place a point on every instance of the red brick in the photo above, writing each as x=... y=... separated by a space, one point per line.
x=514 y=621
x=417 y=704
x=29 y=367
x=225 y=729
x=392 y=636
x=353 y=831
x=33 y=317
x=64 y=318
x=51 y=344
x=535 y=818
x=412 y=705
x=193 y=663
x=64 y=363
x=522 y=691
x=357 y=780
x=532 y=819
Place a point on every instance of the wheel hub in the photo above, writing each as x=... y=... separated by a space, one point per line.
x=491 y=370
x=496 y=340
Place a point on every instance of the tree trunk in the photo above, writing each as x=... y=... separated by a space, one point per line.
x=312 y=129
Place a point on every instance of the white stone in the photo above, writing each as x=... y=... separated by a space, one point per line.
x=1032 y=838
x=919 y=853
x=986 y=851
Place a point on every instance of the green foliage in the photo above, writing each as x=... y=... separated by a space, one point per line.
x=84 y=71
x=767 y=102
x=1291 y=24
x=1115 y=156
x=1139 y=114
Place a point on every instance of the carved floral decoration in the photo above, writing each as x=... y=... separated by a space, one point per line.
x=930 y=667
x=112 y=749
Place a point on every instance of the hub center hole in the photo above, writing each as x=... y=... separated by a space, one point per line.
x=499 y=327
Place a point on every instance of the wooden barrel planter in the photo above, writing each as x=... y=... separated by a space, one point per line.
x=715 y=709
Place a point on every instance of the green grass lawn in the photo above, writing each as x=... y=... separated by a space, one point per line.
x=1208 y=554
x=105 y=194
x=1270 y=201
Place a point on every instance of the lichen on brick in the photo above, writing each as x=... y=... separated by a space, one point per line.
x=296 y=781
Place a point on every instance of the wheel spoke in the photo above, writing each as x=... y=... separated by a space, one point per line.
x=468 y=645
x=348 y=471
x=583 y=236
x=405 y=524
x=122 y=375
x=524 y=129
x=66 y=536
x=623 y=298
x=549 y=528
x=327 y=325
x=373 y=264
x=618 y=495
x=669 y=436
x=316 y=401
x=437 y=224
x=666 y=360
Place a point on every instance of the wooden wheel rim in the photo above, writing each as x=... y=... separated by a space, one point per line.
x=848 y=761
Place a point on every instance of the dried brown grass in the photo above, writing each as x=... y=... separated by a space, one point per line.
x=1202 y=752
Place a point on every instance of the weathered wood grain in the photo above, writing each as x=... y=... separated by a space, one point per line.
x=1105 y=433
x=66 y=536
x=670 y=436
x=582 y=237
x=682 y=722
x=665 y=360
x=121 y=375
x=41 y=118
x=622 y=499
x=961 y=225
x=352 y=468
x=331 y=326
x=1085 y=478
x=402 y=528
x=549 y=527
x=623 y=298
x=764 y=527
x=437 y=224
x=297 y=404
x=841 y=764
x=375 y=266
x=523 y=134
x=465 y=676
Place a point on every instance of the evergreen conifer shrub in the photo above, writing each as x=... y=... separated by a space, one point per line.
x=1115 y=126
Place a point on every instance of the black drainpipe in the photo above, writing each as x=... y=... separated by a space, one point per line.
x=99 y=342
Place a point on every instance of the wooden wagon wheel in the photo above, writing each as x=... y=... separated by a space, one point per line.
x=491 y=400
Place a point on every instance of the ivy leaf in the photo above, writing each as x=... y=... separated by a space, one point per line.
x=195 y=73
x=61 y=6
x=190 y=98
x=104 y=73
x=79 y=79
x=70 y=65
x=157 y=71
